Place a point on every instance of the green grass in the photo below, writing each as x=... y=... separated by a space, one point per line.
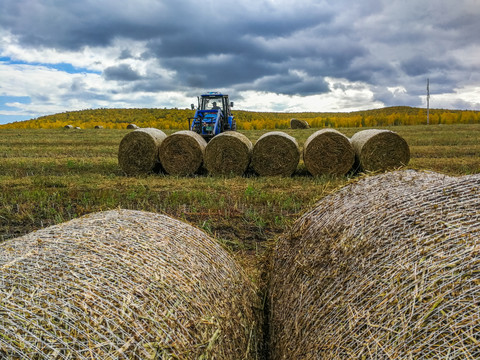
x=51 y=176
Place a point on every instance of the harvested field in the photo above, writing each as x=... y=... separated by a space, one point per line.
x=275 y=153
x=328 y=152
x=299 y=124
x=182 y=153
x=386 y=268
x=124 y=284
x=138 y=151
x=379 y=150
x=228 y=153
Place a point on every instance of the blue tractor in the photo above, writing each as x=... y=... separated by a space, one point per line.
x=213 y=115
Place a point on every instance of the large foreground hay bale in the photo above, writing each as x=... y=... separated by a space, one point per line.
x=138 y=151
x=299 y=124
x=328 y=152
x=182 y=153
x=379 y=150
x=123 y=284
x=386 y=268
x=275 y=153
x=228 y=153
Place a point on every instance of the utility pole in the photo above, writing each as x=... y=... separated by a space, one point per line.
x=428 y=101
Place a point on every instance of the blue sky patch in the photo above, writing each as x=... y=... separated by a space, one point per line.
x=4 y=100
x=65 y=67
x=13 y=99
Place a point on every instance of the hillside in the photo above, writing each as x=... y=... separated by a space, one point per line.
x=247 y=120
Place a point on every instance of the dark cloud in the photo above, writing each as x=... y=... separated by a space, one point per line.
x=122 y=72
x=263 y=45
x=125 y=55
x=218 y=72
x=422 y=65
x=292 y=83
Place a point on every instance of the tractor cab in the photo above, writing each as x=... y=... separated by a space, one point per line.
x=213 y=115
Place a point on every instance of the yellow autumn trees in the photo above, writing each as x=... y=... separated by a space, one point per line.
x=178 y=119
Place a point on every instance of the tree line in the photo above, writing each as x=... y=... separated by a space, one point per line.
x=178 y=119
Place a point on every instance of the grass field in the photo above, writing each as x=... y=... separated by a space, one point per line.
x=51 y=176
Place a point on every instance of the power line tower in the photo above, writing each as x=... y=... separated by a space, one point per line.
x=428 y=101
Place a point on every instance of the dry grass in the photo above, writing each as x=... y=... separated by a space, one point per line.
x=275 y=153
x=386 y=268
x=138 y=151
x=328 y=152
x=228 y=153
x=124 y=284
x=379 y=150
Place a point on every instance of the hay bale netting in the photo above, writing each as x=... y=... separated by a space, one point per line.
x=68 y=127
x=228 y=153
x=138 y=151
x=132 y=126
x=379 y=150
x=275 y=153
x=328 y=152
x=182 y=153
x=299 y=124
x=124 y=284
x=386 y=268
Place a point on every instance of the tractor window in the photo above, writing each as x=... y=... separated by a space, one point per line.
x=212 y=103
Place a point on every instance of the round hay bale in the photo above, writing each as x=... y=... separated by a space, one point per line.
x=124 y=284
x=181 y=153
x=68 y=127
x=386 y=268
x=299 y=124
x=78 y=128
x=138 y=151
x=132 y=126
x=98 y=127
x=275 y=153
x=228 y=153
x=379 y=150
x=328 y=152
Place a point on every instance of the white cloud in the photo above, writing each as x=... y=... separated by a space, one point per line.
x=397 y=90
x=345 y=96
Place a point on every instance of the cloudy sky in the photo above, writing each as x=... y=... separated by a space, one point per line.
x=269 y=55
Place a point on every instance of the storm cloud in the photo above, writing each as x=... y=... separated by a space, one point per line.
x=143 y=47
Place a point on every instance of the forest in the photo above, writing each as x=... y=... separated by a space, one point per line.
x=178 y=119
